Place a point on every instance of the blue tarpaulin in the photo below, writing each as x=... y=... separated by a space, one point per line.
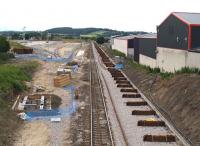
x=60 y=112
x=119 y=66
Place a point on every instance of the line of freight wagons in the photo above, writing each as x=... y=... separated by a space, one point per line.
x=176 y=44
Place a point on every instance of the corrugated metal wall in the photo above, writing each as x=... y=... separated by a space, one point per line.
x=195 y=36
x=173 y=33
x=147 y=47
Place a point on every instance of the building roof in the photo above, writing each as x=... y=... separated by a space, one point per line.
x=189 y=18
x=148 y=35
x=126 y=37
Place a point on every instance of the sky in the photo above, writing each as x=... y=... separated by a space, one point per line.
x=126 y=15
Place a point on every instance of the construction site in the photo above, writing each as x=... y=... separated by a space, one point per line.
x=125 y=74
x=79 y=95
x=47 y=107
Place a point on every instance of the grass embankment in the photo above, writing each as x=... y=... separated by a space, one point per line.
x=12 y=77
x=152 y=71
x=17 y=45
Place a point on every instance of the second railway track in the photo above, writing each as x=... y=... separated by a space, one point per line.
x=101 y=134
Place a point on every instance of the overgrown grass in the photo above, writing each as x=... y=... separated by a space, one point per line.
x=188 y=70
x=12 y=76
x=17 y=45
x=4 y=57
x=114 y=52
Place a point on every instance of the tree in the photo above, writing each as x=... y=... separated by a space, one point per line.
x=100 y=40
x=4 y=45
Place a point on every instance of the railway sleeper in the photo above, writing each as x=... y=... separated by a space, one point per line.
x=120 y=79
x=143 y=112
x=151 y=123
x=109 y=65
x=136 y=103
x=115 y=72
x=159 y=138
x=107 y=62
x=111 y=69
x=135 y=95
x=124 y=86
x=129 y=90
x=117 y=75
x=105 y=57
x=122 y=82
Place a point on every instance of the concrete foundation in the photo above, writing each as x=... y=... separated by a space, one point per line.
x=148 y=61
x=171 y=60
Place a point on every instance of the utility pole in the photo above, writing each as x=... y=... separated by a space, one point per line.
x=23 y=29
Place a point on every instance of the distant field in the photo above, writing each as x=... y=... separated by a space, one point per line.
x=94 y=34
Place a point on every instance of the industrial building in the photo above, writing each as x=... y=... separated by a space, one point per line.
x=123 y=44
x=178 y=42
x=143 y=47
x=146 y=48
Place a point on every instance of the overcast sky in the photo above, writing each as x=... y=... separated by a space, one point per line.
x=127 y=15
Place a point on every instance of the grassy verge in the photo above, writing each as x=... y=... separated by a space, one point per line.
x=12 y=77
x=17 y=45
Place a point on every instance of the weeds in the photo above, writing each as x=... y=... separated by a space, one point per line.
x=152 y=71
x=114 y=52
x=188 y=70
x=12 y=76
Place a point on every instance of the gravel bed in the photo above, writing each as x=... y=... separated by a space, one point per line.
x=133 y=133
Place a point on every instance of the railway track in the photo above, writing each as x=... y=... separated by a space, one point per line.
x=101 y=134
x=128 y=91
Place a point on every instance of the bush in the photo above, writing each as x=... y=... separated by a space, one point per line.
x=12 y=77
x=100 y=40
x=153 y=70
x=4 y=57
x=4 y=45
